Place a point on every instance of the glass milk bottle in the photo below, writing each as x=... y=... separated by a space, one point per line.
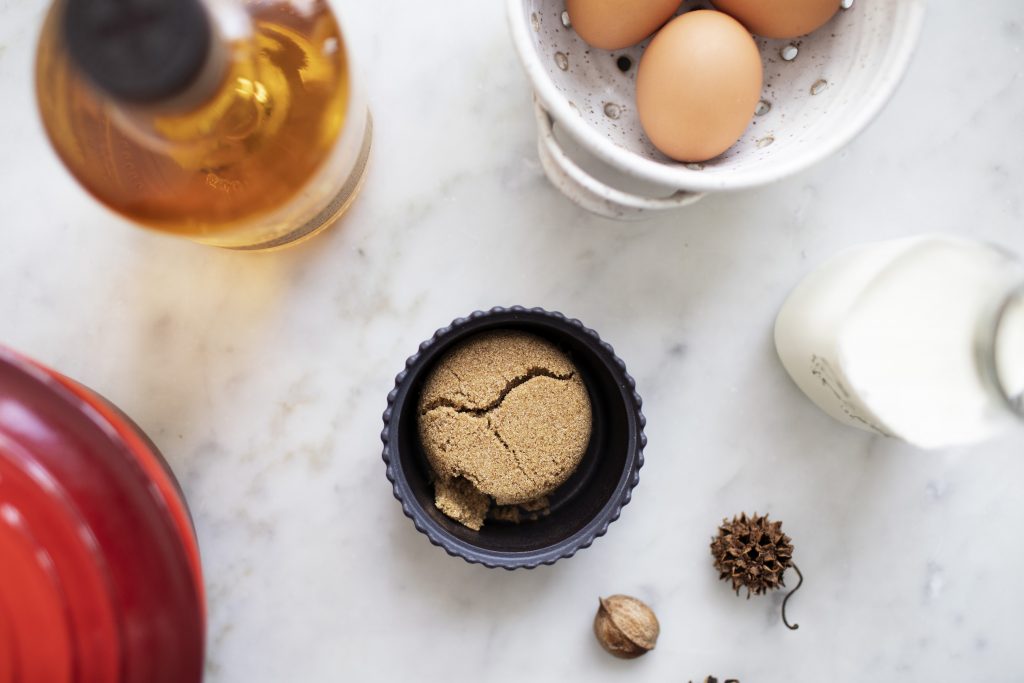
x=230 y=122
x=919 y=338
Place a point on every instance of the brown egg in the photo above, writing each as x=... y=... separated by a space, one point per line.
x=780 y=18
x=698 y=85
x=615 y=24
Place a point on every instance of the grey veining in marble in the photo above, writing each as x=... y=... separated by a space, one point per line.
x=262 y=378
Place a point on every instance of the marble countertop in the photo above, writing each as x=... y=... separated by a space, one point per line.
x=263 y=378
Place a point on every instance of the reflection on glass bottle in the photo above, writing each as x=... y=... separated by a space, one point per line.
x=231 y=123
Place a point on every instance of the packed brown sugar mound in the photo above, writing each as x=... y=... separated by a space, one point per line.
x=504 y=418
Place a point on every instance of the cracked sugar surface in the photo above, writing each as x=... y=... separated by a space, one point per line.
x=508 y=413
x=477 y=374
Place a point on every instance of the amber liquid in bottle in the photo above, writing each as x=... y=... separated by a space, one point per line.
x=257 y=162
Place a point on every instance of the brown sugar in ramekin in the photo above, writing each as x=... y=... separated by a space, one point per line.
x=505 y=418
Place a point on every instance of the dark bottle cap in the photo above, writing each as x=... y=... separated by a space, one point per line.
x=139 y=51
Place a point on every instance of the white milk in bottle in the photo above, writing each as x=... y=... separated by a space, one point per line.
x=920 y=338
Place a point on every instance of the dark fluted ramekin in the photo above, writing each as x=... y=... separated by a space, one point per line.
x=583 y=507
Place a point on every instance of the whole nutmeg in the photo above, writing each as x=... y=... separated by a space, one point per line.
x=625 y=626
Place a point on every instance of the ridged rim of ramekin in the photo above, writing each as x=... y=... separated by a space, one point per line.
x=583 y=538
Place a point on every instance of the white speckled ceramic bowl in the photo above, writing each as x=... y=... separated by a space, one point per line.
x=819 y=92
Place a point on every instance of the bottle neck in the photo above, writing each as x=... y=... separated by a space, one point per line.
x=229 y=25
x=205 y=124
x=1001 y=348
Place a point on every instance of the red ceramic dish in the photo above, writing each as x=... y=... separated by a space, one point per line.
x=100 y=579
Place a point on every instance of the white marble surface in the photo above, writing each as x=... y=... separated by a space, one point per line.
x=262 y=378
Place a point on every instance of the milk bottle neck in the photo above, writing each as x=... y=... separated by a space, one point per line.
x=1001 y=348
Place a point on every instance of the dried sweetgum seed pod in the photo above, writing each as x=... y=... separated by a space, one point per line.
x=753 y=553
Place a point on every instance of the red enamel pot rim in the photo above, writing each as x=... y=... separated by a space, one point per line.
x=100 y=581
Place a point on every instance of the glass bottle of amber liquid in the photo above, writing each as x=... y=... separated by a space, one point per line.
x=229 y=122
